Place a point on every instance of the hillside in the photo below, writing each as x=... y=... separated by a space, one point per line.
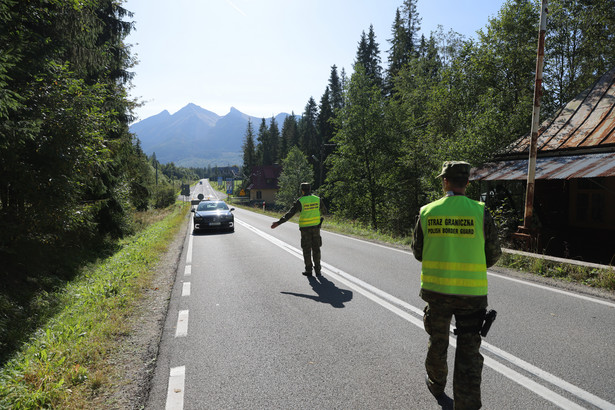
x=194 y=136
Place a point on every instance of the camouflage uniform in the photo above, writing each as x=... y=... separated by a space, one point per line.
x=311 y=241
x=469 y=314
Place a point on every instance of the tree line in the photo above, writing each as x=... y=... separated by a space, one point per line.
x=378 y=138
x=71 y=173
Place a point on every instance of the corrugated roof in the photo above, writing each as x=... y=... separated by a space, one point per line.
x=588 y=121
x=579 y=142
x=563 y=167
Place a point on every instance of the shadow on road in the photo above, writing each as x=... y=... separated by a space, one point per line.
x=326 y=292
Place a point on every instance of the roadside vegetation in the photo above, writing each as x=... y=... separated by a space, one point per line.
x=602 y=278
x=65 y=363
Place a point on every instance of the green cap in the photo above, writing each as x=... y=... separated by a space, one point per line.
x=455 y=169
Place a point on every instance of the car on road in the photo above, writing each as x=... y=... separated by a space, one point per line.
x=211 y=214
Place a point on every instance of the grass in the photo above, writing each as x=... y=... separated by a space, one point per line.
x=586 y=275
x=64 y=364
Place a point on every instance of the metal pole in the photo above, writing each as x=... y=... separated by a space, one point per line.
x=531 y=172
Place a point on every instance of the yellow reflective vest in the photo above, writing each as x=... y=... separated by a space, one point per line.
x=310 y=211
x=454 y=247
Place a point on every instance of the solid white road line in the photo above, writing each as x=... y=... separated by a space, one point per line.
x=181 y=330
x=563 y=292
x=189 y=251
x=384 y=298
x=186 y=289
x=175 y=392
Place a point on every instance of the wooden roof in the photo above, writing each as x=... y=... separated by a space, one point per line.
x=586 y=123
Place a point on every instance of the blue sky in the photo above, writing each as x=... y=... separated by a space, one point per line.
x=264 y=57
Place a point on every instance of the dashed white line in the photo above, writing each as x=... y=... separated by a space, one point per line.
x=175 y=392
x=186 y=289
x=181 y=329
x=187 y=270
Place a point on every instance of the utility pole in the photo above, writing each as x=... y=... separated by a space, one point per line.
x=531 y=172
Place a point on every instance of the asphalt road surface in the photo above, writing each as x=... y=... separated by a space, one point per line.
x=245 y=330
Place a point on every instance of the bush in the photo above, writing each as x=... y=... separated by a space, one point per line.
x=164 y=196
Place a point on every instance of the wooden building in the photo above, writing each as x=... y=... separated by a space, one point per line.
x=574 y=202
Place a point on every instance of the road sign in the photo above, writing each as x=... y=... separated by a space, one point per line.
x=185 y=189
x=242 y=193
x=229 y=185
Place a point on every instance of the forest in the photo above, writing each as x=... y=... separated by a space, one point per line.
x=72 y=176
x=378 y=136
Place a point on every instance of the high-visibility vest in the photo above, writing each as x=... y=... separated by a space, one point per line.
x=310 y=211
x=454 y=247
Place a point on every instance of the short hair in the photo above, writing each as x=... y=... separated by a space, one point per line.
x=458 y=182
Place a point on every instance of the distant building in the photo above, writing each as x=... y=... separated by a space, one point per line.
x=574 y=202
x=264 y=183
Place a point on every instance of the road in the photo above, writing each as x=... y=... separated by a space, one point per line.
x=245 y=330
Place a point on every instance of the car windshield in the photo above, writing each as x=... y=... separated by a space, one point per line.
x=212 y=206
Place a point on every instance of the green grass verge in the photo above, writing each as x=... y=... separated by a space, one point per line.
x=586 y=275
x=64 y=364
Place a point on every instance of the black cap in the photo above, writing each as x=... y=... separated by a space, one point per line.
x=305 y=187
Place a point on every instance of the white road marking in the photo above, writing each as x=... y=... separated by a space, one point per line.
x=563 y=292
x=181 y=330
x=524 y=282
x=386 y=300
x=175 y=391
x=189 y=251
x=187 y=270
x=186 y=289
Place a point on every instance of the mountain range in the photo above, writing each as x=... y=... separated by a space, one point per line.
x=196 y=137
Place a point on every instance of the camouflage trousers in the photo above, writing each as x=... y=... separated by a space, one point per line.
x=468 y=360
x=310 y=244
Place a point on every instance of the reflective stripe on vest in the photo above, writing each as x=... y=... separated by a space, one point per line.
x=454 y=247
x=310 y=211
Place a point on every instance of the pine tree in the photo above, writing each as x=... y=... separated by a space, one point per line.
x=398 y=55
x=368 y=56
x=263 y=148
x=412 y=23
x=336 y=90
x=290 y=135
x=308 y=135
x=274 y=141
x=325 y=133
x=249 y=151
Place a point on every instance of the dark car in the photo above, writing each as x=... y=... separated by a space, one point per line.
x=213 y=215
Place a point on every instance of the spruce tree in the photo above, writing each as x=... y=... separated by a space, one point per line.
x=308 y=134
x=274 y=141
x=325 y=133
x=336 y=90
x=249 y=151
x=368 y=56
x=263 y=148
x=290 y=135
